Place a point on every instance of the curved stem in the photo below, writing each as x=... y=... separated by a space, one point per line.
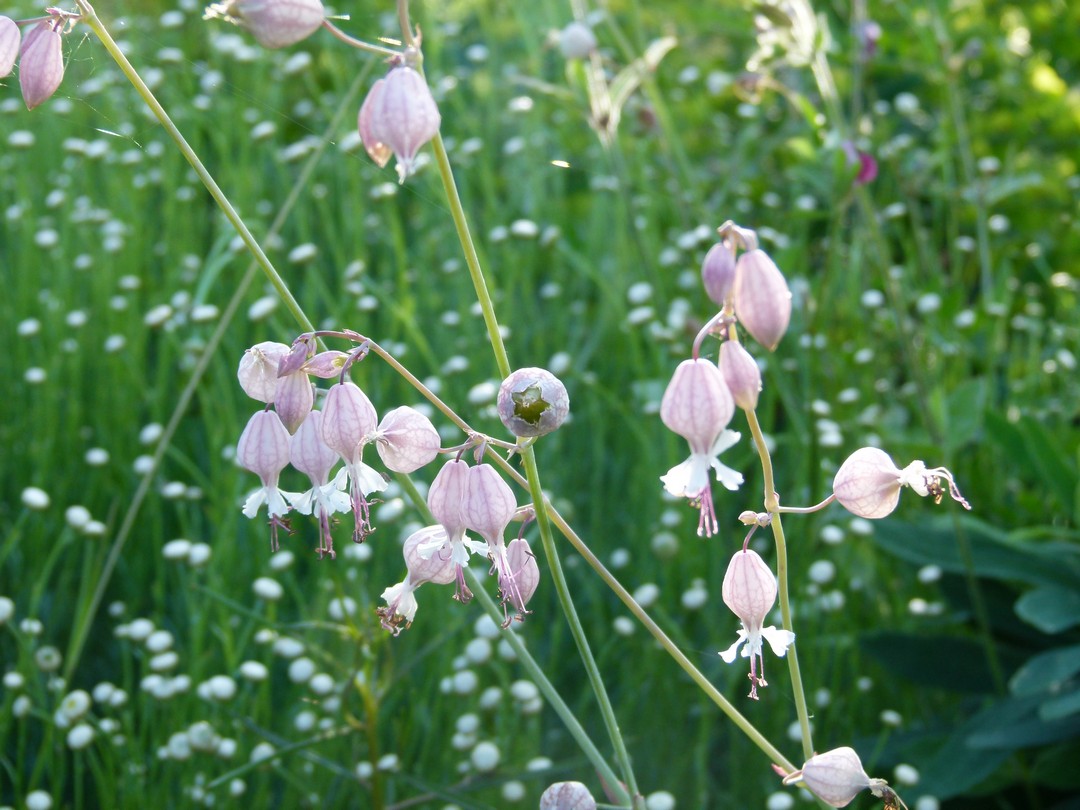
x=806 y=510
x=359 y=44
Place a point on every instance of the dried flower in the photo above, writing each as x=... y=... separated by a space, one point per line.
x=273 y=23
x=41 y=63
x=532 y=402
x=868 y=483
x=762 y=298
x=398 y=116
x=698 y=405
x=264 y=450
x=749 y=590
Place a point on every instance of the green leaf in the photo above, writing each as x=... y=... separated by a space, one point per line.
x=1045 y=455
x=1050 y=609
x=944 y=662
x=1046 y=672
x=956 y=767
x=1061 y=706
x=964 y=413
x=1014 y=723
x=1056 y=767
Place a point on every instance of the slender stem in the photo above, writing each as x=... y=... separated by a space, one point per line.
x=772 y=506
x=359 y=44
x=806 y=510
x=90 y=18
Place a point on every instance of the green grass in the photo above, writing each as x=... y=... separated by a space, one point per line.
x=966 y=358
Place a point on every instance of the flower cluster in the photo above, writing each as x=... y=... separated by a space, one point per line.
x=40 y=54
x=292 y=430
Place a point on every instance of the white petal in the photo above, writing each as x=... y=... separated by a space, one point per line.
x=686 y=480
x=726 y=439
x=779 y=640
x=731 y=479
x=729 y=654
x=368 y=478
x=305 y=502
x=254 y=501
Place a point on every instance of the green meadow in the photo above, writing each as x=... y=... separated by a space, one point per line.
x=155 y=653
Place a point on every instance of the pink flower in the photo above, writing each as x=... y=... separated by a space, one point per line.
x=750 y=591
x=406 y=440
x=264 y=450
x=445 y=502
x=41 y=63
x=836 y=777
x=868 y=483
x=294 y=399
x=698 y=405
x=349 y=422
x=762 y=298
x=741 y=373
x=401 y=604
x=310 y=454
x=10 y=38
x=718 y=273
x=398 y=116
x=258 y=372
x=273 y=23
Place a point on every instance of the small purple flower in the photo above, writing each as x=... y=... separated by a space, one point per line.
x=868 y=483
x=310 y=454
x=749 y=590
x=348 y=424
x=264 y=450
x=868 y=167
x=698 y=406
x=398 y=117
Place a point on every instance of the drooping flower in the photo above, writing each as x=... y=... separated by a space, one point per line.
x=762 y=298
x=41 y=62
x=444 y=500
x=398 y=116
x=749 y=590
x=348 y=424
x=401 y=604
x=698 y=406
x=741 y=373
x=868 y=483
x=273 y=23
x=258 y=371
x=836 y=777
x=406 y=440
x=10 y=38
x=718 y=273
x=264 y=450
x=311 y=455
x=294 y=399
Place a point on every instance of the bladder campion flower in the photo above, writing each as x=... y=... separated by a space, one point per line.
x=718 y=273
x=698 y=406
x=273 y=23
x=741 y=373
x=444 y=500
x=264 y=450
x=311 y=455
x=348 y=424
x=10 y=37
x=401 y=604
x=837 y=776
x=398 y=116
x=868 y=483
x=532 y=402
x=750 y=591
x=406 y=440
x=258 y=371
x=41 y=62
x=762 y=298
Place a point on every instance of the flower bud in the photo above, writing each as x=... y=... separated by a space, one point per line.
x=567 y=796
x=326 y=365
x=741 y=373
x=488 y=503
x=10 y=38
x=41 y=63
x=273 y=23
x=445 y=495
x=295 y=397
x=577 y=41
x=258 y=372
x=406 y=440
x=523 y=565
x=762 y=298
x=309 y=453
x=532 y=402
x=718 y=273
x=697 y=403
x=264 y=445
x=398 y=116
x=836 y=777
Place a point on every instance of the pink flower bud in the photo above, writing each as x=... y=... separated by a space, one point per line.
x=326 y=365
x=836 y=777
x=445 y=495
x=294 y=399
x=349 y=419
x=868 y=483
x=741 y=373
x=398 y=116
x=10 y=38
x=762 y=298
x=532 y=402
x=309 y=453
x=258 y=372
x=41 y=63
x=273 y=23
x=718 y=273
x=523 y=565
x=406 y=440
x=697 y=403
x=488 y=504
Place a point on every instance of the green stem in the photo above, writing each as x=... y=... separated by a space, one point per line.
x=772 y=506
